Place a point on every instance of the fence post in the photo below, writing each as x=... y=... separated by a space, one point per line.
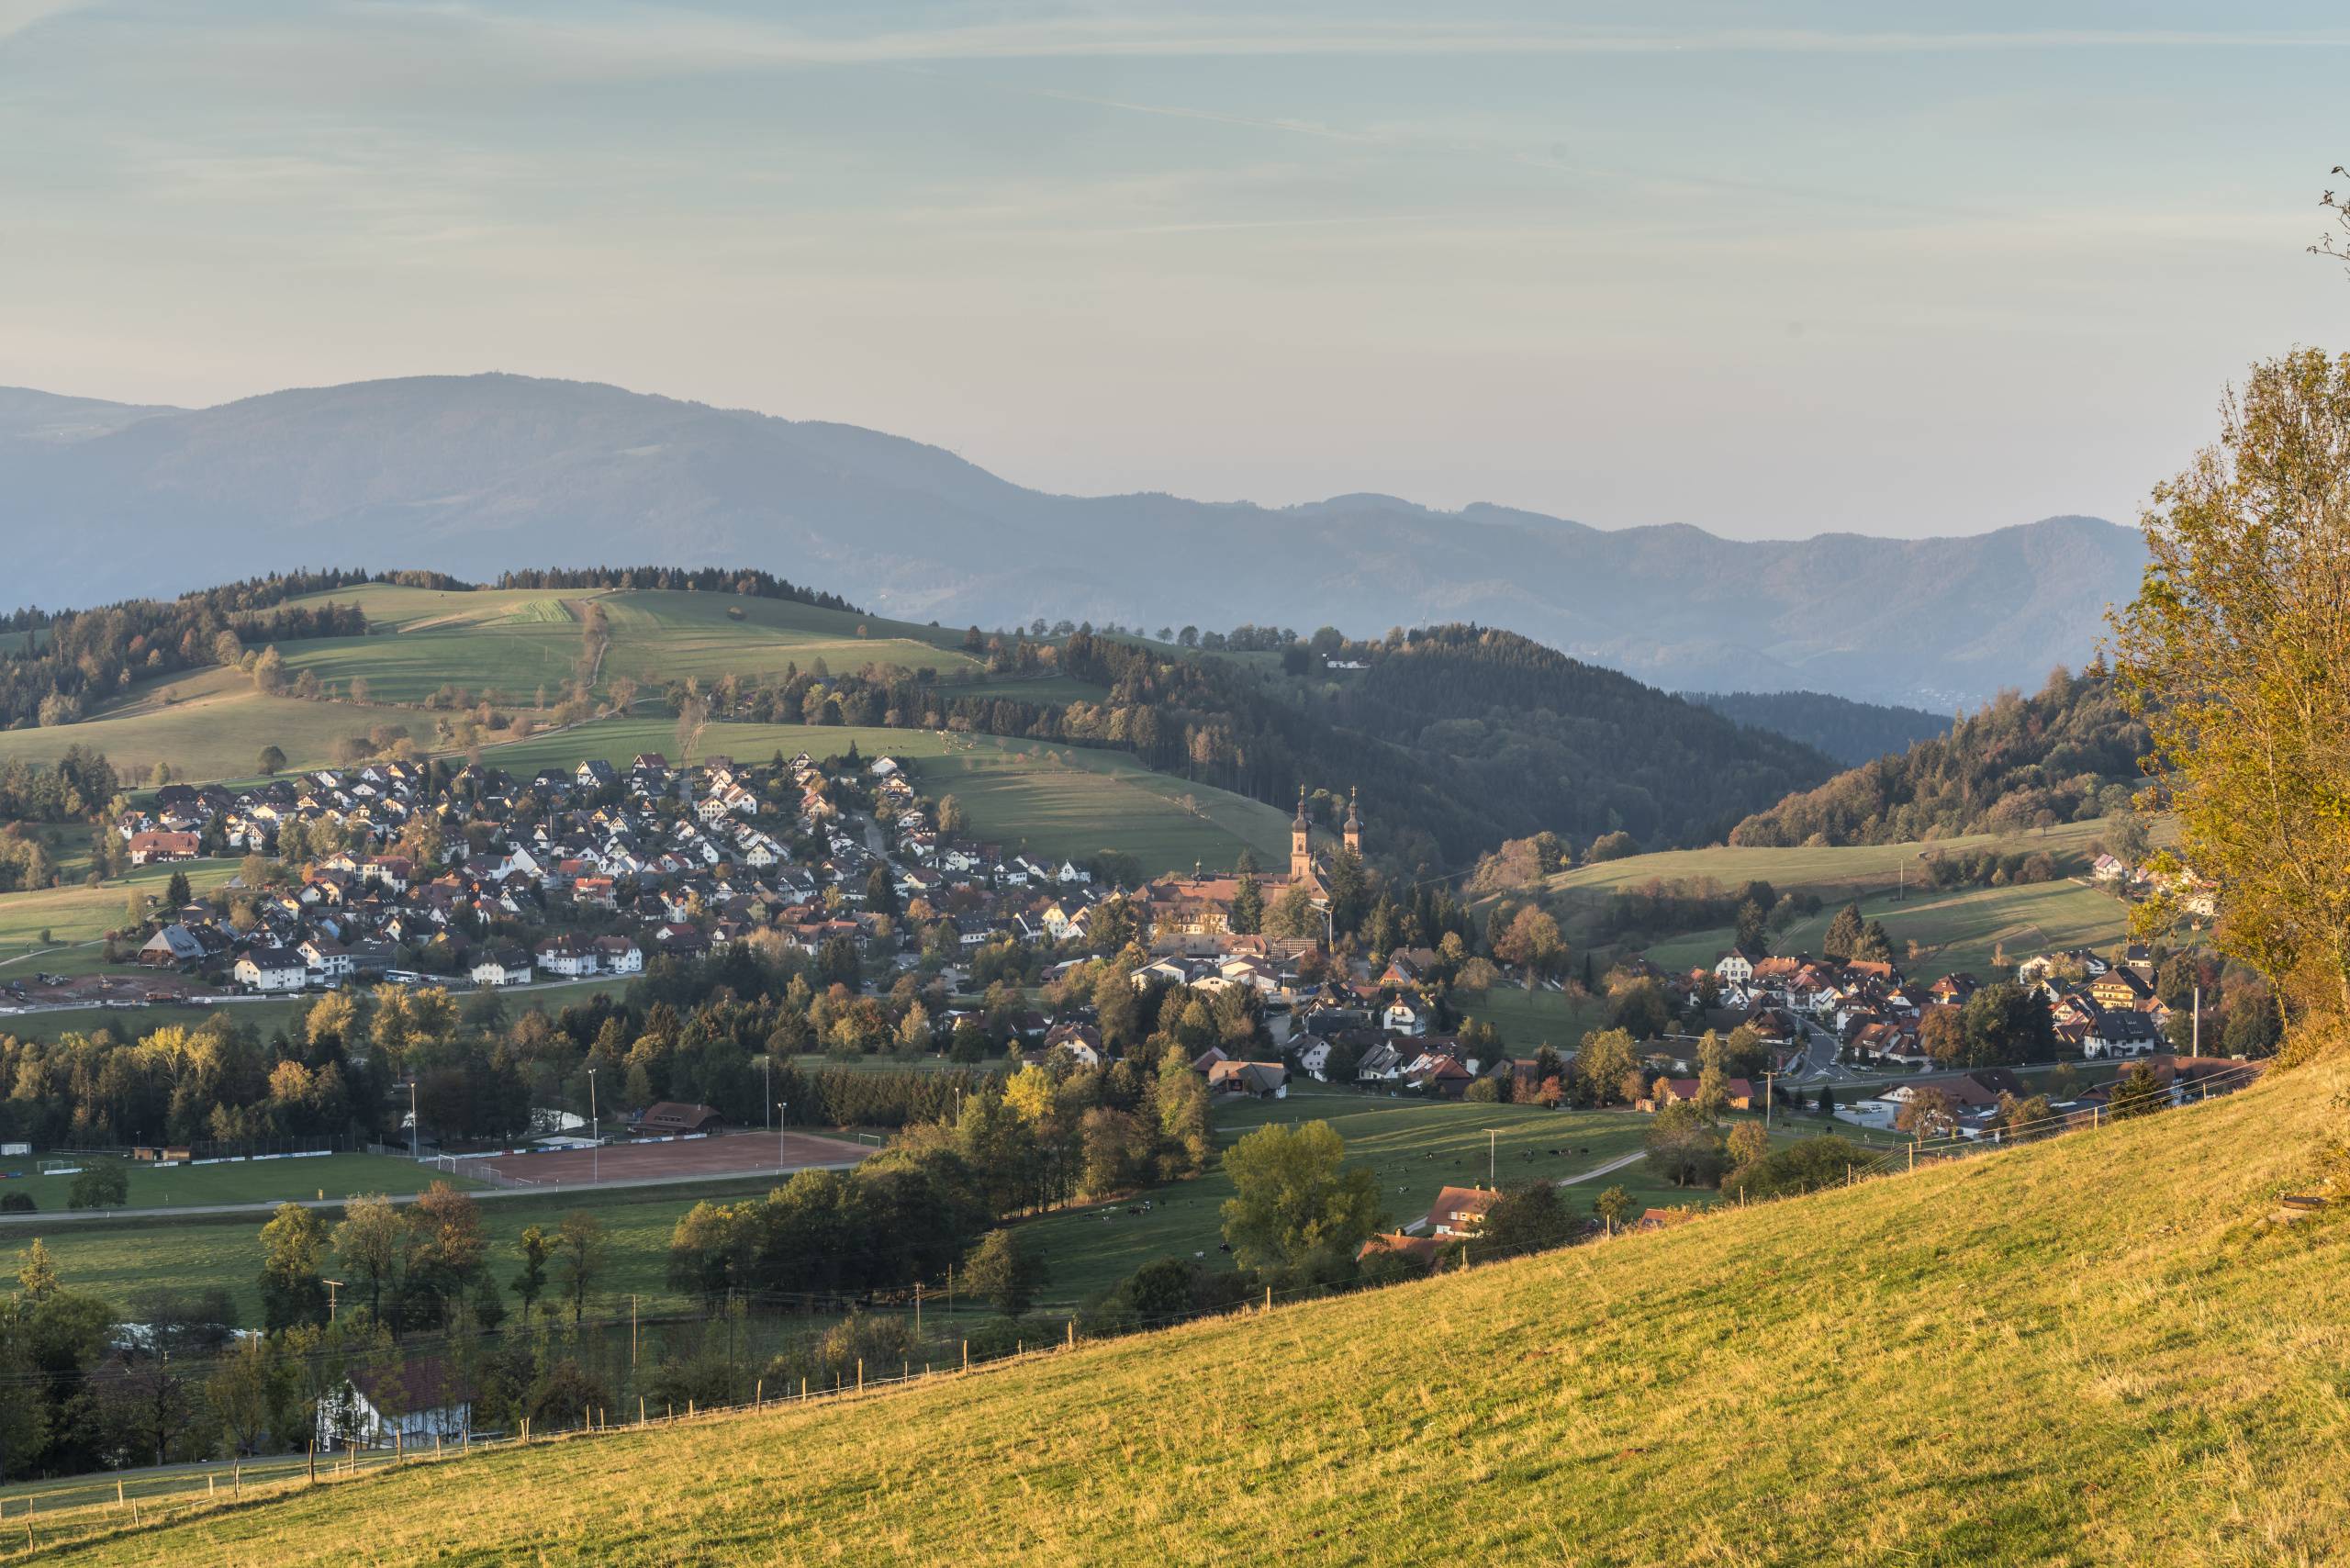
x=1268 y=1290
x=314 y=1458
x=860 y=1374
x=118 y=1491
x=966 y=1355
x=758 y=1394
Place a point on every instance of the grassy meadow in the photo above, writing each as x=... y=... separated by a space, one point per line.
x=116 y=1257
x=1530 y=1019
x=78 y=918
x=246 y=1181
x=1977 y=1362
x=1959 y=929
x=209 y=724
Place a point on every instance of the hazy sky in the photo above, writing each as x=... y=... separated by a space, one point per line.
x=1771 y=269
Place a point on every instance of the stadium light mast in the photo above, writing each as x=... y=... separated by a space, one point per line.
x=595 y=1134
x=781 y=1108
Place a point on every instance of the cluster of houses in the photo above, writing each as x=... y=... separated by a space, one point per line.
x=2100 y=1009
x=568 y=874
x=2193 y=895
x=1974 y=1097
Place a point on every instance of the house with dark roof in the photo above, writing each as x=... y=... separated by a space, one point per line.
x=669 y=1118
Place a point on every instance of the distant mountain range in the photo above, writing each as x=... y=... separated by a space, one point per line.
x=473 y=475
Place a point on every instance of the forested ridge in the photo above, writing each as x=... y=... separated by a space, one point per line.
x=1851 y=733
x=2069 y=752
x=1540 y=741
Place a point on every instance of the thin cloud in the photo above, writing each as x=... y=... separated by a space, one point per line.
x=636 y=38
x=21 y=16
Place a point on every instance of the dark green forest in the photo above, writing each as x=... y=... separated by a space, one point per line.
x=1851 y=733
x=2067 y=754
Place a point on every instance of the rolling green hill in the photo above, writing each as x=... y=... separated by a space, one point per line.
x=1988 y=1361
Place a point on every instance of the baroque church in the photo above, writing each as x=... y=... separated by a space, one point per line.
x=1200 y=905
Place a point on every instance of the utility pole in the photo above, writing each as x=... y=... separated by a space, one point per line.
x=415 y=1128
x=2198 y=1019
x=767 y=1086
x=596 y=1139
x=1491 y=1178
x=1767 y=1079
x=782 y=1108
x=331 y=1285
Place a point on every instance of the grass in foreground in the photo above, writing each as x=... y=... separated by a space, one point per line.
x=1991 y=1361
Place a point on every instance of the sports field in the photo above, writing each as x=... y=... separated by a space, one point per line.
x=735 y=1153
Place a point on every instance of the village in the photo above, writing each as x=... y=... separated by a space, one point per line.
x=411 y=873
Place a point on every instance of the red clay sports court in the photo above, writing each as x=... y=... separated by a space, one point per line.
x=728 y=1154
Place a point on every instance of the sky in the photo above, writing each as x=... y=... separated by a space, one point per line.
x=1770 y=269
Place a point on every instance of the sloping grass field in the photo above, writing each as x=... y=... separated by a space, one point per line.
x=1957 y=930
x=520 y=640
x=215 y=728
x=77 y=918
x=1983 y=1361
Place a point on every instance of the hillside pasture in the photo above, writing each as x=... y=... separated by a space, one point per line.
x=208 y=724
x=78 y=918
x=1970 y=1364
x=1416 y=1145
x=1960 y=929
x=1825 y=866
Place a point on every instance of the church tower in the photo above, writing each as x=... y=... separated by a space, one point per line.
x=1354 y=822
x=1300 y=851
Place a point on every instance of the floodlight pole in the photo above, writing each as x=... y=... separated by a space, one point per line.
x=767 y=1084
x=781 y=1108
x=595 y=1134
x=415 y=1127
x=1492 y=1178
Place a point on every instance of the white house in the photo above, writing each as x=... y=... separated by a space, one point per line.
x=272 y=970
x=326 y=958
x=430 y=1403
x=1735 y=968
x=504 y=966
x=566 y=954
x=1403 y=1018
x=619 y=955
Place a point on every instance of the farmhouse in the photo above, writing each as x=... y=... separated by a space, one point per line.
x=1459 y=1211
x=148 y=848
